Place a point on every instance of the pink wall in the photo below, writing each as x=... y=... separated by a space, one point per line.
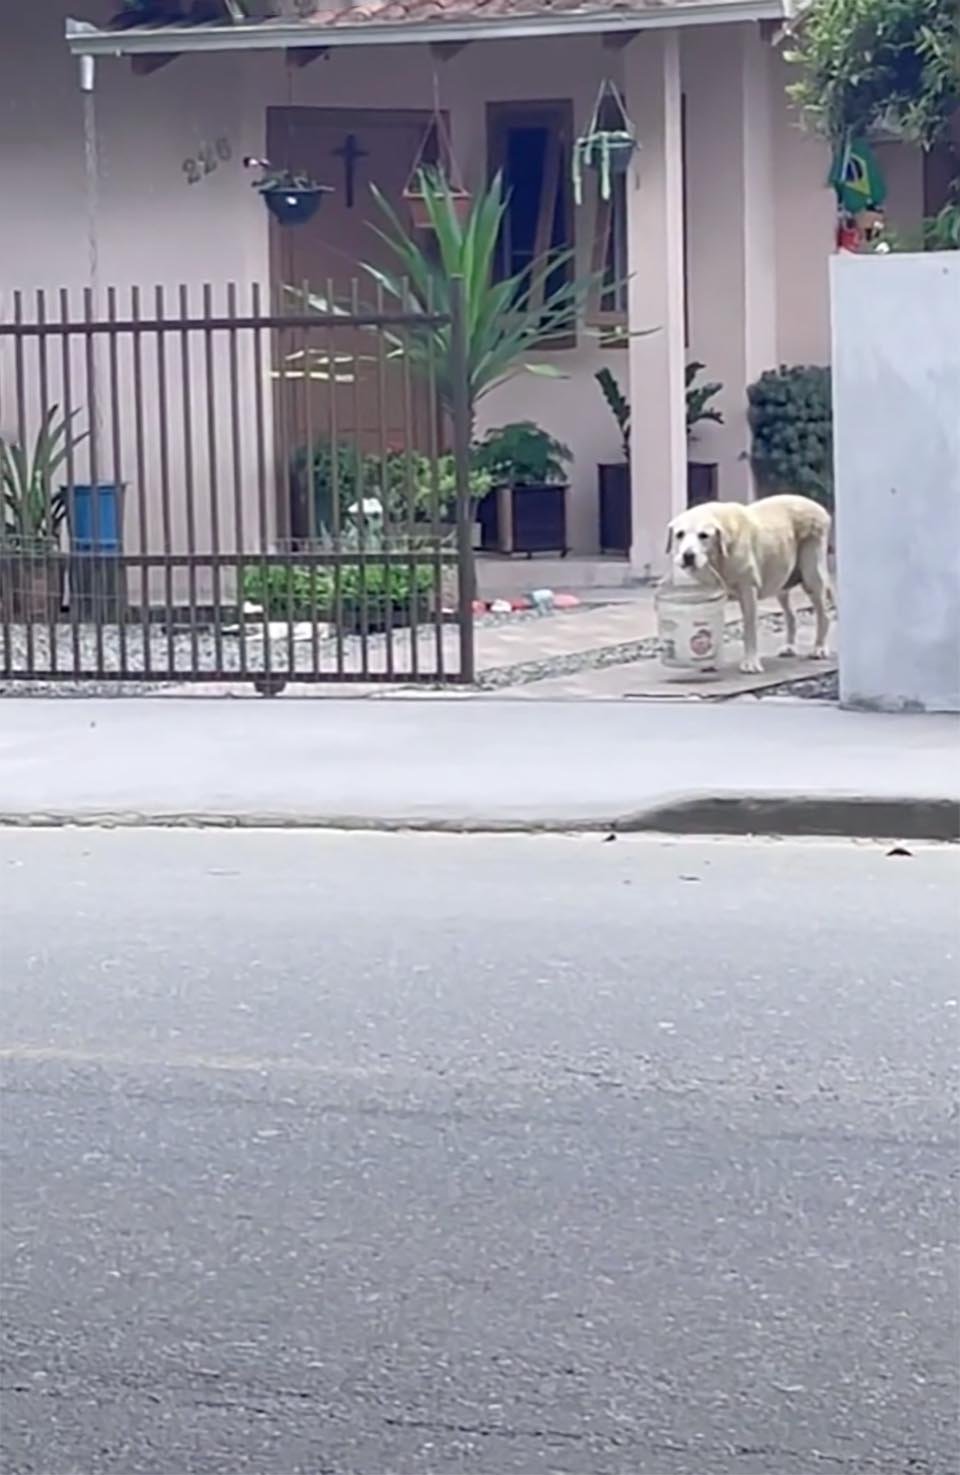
x=155 y=228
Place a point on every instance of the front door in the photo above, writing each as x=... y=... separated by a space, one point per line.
x=378 y=401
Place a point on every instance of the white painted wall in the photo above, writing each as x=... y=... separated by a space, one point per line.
x=896 y=371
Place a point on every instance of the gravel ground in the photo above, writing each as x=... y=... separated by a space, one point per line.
x=184 y=651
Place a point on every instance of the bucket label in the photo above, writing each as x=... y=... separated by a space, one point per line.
x=701 y=643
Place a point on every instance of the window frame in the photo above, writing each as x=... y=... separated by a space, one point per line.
x=555 y=116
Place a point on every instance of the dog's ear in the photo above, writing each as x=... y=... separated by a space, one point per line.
x=722 y=545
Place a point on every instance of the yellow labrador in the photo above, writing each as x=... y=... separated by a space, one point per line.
x=757 y=550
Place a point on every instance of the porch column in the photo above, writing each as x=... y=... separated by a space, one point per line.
x=731 y=239
x=658 y=463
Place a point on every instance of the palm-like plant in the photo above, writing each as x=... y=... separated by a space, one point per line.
x=32 y=512
x=504 y=320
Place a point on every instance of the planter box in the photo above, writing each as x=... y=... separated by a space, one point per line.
x=702 y=482
x=616 y=520
x=525 y=519
x=31 y=586
x=614 y=508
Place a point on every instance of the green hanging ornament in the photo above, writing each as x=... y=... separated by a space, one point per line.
x=607 y=145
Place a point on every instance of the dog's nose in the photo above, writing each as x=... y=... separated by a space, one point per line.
x=689 y=558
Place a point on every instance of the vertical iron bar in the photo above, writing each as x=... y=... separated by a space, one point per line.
x=261 y=470
x=186 y=371
x=359 y=491
x=433 y=452
x=313 y=546
x=71 y=479
x=237 y=473
x=165 y=478
x=408 y=436
x=386 y=489
x=54 y=561
x=146 y=624
x=210 y=396
x=120 y=557
x=97 y=569
x=26 y=557
x=330 y=348
x=282 y=348
x=461 y=455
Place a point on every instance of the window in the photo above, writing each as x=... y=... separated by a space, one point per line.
x=609 y=262
x=530 y=144
x=610 y=258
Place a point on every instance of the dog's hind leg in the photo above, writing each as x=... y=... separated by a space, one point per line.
x=790 y=621
x=815 y=579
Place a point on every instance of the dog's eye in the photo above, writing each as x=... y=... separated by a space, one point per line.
x=703 y=537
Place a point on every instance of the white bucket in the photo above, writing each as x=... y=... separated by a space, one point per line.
x=690 y=623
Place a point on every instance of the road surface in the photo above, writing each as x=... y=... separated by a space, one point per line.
x=359 y=1155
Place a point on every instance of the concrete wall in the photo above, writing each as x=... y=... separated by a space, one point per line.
x=896 y=368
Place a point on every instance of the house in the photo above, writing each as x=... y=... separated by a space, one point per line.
x=718 y=237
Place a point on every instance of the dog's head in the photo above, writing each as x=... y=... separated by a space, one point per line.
x=695 y=541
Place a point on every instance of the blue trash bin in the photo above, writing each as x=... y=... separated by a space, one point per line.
x=97 y=574
x=94 y=515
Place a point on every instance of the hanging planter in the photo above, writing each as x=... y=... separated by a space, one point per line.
x=608 y=145
x=436 y=176
x=292 y=198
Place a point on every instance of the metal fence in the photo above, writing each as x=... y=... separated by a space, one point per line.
x=231 y=486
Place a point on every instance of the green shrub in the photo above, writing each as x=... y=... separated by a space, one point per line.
x=791 y=421
x=292 y=591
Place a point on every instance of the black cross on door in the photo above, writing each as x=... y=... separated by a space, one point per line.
x=351 y=153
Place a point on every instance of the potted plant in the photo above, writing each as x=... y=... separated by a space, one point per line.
x=614 y=479
x=31 y=568
x=613 y=489
x=526 y=510
x=791 y=421
x=291 y=196
x=702 y=476
x=607 y=145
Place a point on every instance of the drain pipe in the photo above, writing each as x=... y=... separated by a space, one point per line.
x=88 y=72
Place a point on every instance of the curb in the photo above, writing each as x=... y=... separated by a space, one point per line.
x=856 y=817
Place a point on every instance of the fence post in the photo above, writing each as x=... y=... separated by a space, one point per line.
x=461 y=454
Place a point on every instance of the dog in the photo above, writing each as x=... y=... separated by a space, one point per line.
x=756 y=550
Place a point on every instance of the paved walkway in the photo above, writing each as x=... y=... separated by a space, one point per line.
x=471 y=762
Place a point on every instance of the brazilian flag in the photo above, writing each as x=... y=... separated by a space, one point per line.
x=856 y=177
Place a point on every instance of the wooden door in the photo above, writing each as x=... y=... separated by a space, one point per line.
x=377 y=401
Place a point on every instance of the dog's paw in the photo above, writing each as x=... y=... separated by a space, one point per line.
x=819 y=653
x=752 y=667
x=787 y=652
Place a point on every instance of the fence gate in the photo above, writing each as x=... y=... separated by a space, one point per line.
x=203 y=487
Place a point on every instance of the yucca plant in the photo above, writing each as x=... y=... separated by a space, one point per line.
x=33 y=513
x=504 y=321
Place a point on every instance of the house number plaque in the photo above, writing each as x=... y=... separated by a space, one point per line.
x=206 y=160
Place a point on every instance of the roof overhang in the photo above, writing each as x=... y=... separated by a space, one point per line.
x=84 y=39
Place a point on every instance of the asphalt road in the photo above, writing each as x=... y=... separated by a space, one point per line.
x=357 y=1155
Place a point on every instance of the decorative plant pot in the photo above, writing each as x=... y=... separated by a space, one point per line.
x=293 y=206
x=702 y=479
x=525 y=519
x=614 y=507
x=460 y=202
x=31 y=584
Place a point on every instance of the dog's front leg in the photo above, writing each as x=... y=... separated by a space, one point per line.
x=747 y=597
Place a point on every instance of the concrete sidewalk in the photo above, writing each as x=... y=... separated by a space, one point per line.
x=480 y=764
